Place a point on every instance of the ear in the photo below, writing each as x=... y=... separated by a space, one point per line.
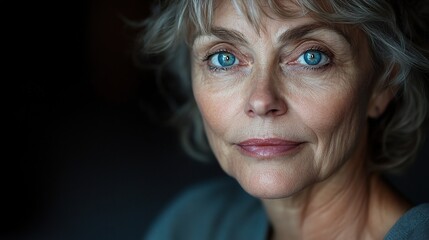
x=379 y=101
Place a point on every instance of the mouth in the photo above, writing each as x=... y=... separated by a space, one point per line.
x=268 y=148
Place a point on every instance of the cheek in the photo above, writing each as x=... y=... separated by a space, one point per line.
x=337 y=122
x=217 y=124
x=221 y=108
x=325 y=115
x=214 y=111
x=217 y=101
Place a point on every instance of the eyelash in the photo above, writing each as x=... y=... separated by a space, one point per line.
x=323 y=51
x=208 y=57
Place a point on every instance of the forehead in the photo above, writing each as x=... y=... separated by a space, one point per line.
x=263 y=16
x=256 y=12
x=232 y=14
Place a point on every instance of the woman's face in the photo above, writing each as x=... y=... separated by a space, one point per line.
x=283 y=108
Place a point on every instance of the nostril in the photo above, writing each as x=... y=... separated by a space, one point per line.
x=276 y=112
x=274 y=107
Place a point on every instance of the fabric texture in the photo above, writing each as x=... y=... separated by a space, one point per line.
x=221 y=210
x=414 y=224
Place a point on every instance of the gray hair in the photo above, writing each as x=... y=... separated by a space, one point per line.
x=398 y=37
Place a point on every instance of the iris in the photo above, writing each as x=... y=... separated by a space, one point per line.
x=312 y=57
x=226 y=59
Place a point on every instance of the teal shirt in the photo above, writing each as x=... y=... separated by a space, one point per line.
x=221 y=210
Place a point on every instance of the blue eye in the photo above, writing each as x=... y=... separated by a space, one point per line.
x=314 y=58
x=223 y=60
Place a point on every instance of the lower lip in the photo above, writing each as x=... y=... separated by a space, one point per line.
x=266 y=149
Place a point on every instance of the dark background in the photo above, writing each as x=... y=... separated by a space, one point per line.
x=84 y=157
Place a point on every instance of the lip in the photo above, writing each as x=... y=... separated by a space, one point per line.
x=268 y=148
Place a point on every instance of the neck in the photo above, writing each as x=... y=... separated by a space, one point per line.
x=351 y=204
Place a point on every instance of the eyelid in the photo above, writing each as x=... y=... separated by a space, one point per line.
x=220 y=50
x=293 y=55
x=227 y=48
x=290 y=60
x=324 y=60
x=213 y=67
x=295 y=50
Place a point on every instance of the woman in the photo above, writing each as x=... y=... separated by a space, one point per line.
x=304 y=104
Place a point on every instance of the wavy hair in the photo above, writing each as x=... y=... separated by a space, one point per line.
x=397 y=34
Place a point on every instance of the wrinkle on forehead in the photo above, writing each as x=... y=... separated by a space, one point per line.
x=254 y=12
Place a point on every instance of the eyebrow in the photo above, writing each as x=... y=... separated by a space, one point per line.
x=289 y=35
x=301 y=31
x=228 y=35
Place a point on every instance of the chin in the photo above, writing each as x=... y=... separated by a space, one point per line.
x=274 y=183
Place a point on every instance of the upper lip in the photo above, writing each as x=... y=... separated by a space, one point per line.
x=268 y=142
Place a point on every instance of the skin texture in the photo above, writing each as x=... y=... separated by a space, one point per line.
x=320 y=189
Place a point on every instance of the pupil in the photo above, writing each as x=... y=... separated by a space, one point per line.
x=312 y=57
x=226 y=59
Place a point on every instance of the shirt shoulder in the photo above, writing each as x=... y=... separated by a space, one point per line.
x=413 y=225
x=218 y=209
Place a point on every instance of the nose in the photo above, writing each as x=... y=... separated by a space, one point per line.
x=265 y=100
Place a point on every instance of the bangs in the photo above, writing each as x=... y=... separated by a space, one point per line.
x=201 y=13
